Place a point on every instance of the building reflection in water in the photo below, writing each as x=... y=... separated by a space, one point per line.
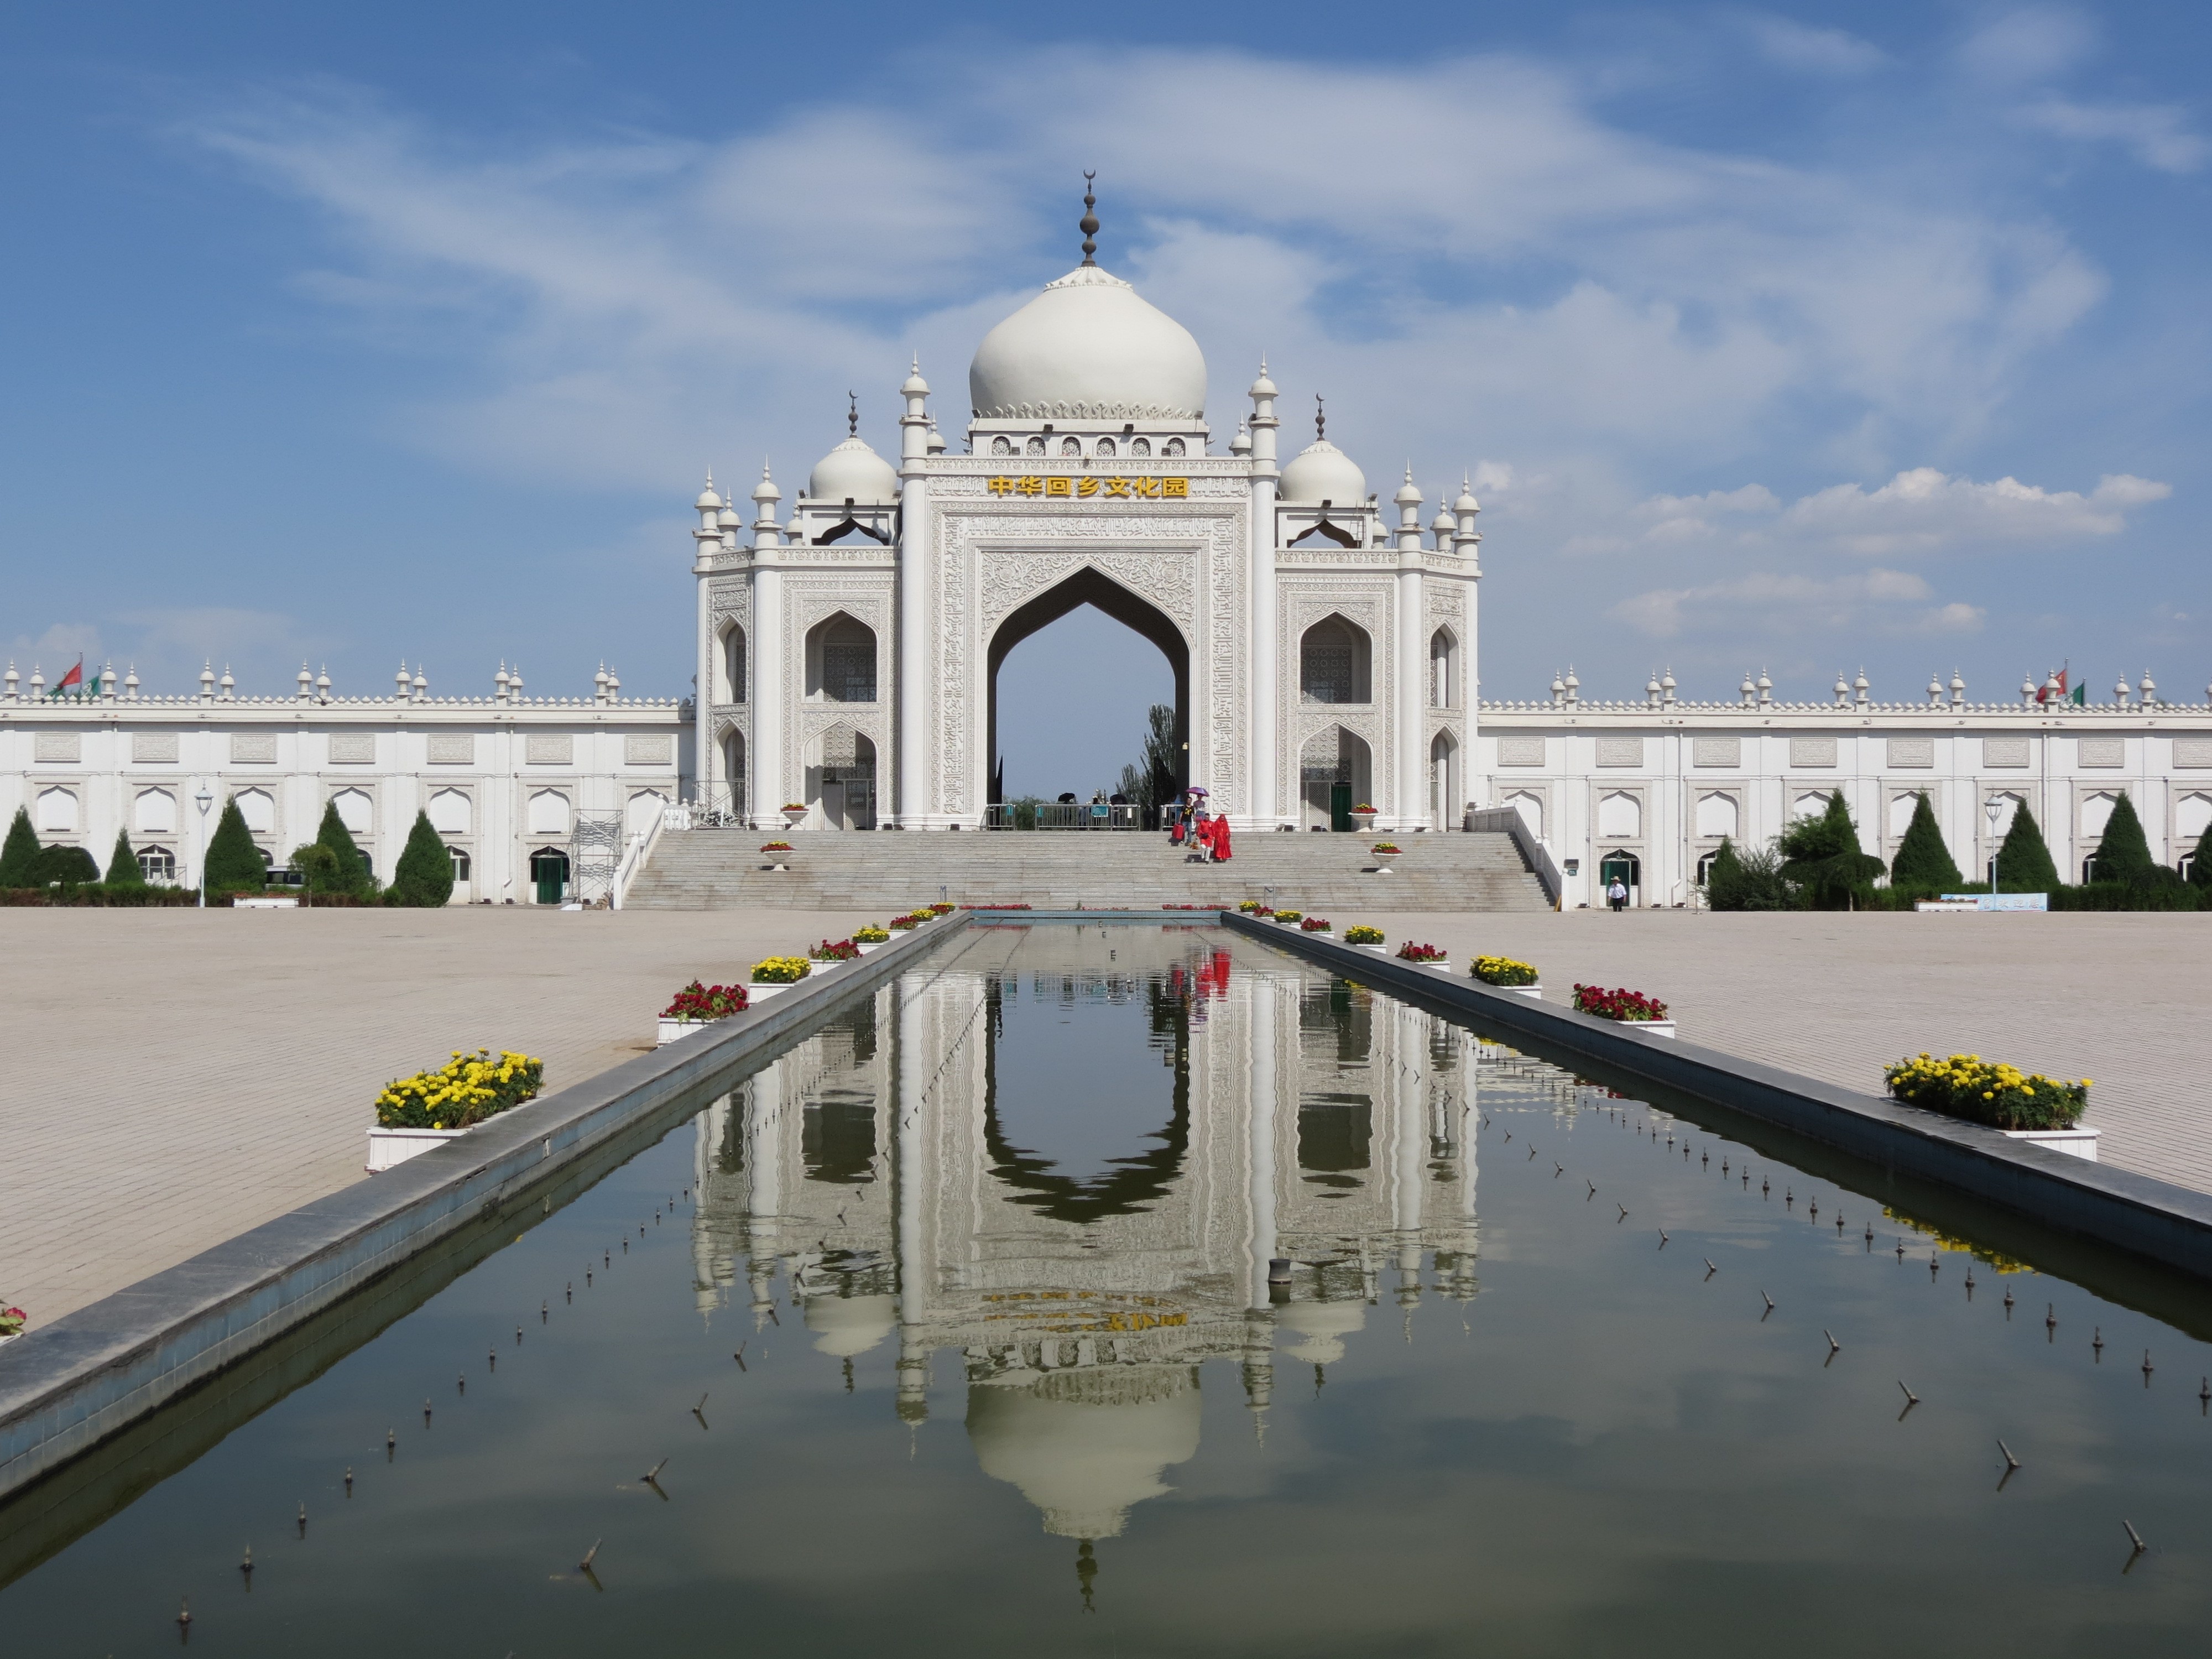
x=1064 y=1159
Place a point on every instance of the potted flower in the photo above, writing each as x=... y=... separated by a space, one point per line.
x=1630 y=1008
x=778 y=854
x=1366 y=938
x=869 y=936
x=832 y=951
x=1427 y=956
x=1314 y=924
x=414 y=1113
x=777 y=975
x=793 y=811
x=2023 y=1105
x=907 y=923
x=1505 y=973
x=12 y=1321
x=940 y=909
x=1253 y=907
x=1363 y=815
x=1288 y=917
x=1385 y=852
x=697 y=1006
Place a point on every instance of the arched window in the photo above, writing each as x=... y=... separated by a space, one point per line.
x=840 y=661
x=1444 y=781
x=734 y=664
x=1620 y=815
x=57 y=812
x=1140 y=446
x=1530 y=806
x=1334 y=773
x=1174 y=447
x=1106 y=447
x=1624 y=864
x=157 y=864
x=356 y=810
x=460 y=863
x=259 y=808
x=1036 y=445
x=1070 y=446
x=157 y=812
x=548 y=813
x=1444 y=670
x=1333 y=663
x=450 y=811
x=1000 y=446
x=1716 y=816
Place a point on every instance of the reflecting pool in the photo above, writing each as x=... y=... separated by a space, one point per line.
x=953 y=1329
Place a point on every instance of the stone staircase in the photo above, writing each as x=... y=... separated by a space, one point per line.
x=891 y=870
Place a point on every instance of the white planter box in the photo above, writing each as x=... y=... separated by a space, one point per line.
x=1658 y=1028
x=1534 y=993
x=757 y=995
x=670 y=1030
x=265 y=904
x=865 y=948
x=2075 y=1143
x=1379 y=949
x=387 y=1147
x=1442 y=964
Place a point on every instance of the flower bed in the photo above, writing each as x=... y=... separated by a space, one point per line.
x=1254 y=908
x=697 y=1001
x=1410 y=951
x=1503 y=970
x=1360 y=933
x=12 y=1321
x=776 y=847
x=1383 y=849
x=1366 y=807
x=942 y=909
x=792 y=807
x=1287 y=915
x=1632 y=1007
x=782 y=970
x=835 y=950
x=1987 y=1091
x=905 y=923
x=1314 y=924
x=466 y=1090
x=870 y=934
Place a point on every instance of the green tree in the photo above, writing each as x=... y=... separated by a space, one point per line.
x=70 y=866
x=2024 y=863
x=1746 y=881
x=18 y=857
x=1922 y=864
x=2200 y=864
x=1820 y=856
x=123 y=869
x=234 y=864
x=1152 y=782
x=2123 y=853
x=348 y=871
x=424 y=877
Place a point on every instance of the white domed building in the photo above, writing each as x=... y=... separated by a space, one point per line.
x=1322 y=646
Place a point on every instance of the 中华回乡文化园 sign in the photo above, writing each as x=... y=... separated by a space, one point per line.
x=1088 y=488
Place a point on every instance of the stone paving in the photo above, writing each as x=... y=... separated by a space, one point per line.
x=2120 y=1000
x=175 y=1076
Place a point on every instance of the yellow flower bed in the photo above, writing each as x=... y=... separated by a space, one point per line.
x=467 y=1089
x=1504 y=970
x=1988 y=1091
x=781 y=970
x=1360 y=933
x=870 y=934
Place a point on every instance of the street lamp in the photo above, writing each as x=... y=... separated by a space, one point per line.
x=1995 y=807
x=204 y=800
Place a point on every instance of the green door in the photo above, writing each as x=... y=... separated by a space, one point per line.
x=548 y=868
x=1340 y=806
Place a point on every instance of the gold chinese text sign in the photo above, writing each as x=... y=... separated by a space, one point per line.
x=1088 y=486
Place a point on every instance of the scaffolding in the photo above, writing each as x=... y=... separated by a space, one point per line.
x=595 y=849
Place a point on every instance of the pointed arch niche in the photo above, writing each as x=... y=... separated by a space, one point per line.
x=1093 y=587
x=1334 y=662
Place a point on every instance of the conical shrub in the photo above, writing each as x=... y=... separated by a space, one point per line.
x=424 y=877
x=353 y=874
x=19 y=856
x=2024 y=863
x=2124 y=854
x=234 y=864
x=123 y=869
x=1923 y=863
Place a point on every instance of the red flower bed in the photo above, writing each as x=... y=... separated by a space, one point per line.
x=906 y=923
x=840 y=949
x=1314 y=924
x=1410 y=951
x=776 y=847
x=697 y=1001
x=1631 y=1005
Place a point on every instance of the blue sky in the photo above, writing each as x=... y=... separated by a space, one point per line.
x=1805 y=338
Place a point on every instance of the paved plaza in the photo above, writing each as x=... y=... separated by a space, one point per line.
x=174 y=1077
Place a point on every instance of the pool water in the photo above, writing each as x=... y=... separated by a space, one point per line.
x=953 y=1330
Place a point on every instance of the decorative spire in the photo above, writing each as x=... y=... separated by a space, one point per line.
x=1321 y=421
x=1088 y=223
x=852 y=416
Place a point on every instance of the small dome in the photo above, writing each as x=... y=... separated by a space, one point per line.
x=854 y=472
x=1088 y=348
x=1465 y=504
x=1324 y=1325
x=1322 y=472
x=709 y=501
x=1409 y=492
x=1262 y=387
x=1086 y=1445
x=848 y=1325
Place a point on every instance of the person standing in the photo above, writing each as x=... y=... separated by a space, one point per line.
x=1617 y=895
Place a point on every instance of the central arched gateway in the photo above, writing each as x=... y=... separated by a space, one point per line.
x=1091 y=586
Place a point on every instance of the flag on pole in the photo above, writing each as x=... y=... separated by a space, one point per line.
x=75 y=676
x=2079 y=695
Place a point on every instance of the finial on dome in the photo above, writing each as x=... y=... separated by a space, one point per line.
x=1088 y=223
x=1321 y=421
x=852 y=416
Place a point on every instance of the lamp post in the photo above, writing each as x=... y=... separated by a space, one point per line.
x=204 y=800
x=1995 y=807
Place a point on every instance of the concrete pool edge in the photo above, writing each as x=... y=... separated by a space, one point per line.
x=2140 y=1214
x=66 y=1387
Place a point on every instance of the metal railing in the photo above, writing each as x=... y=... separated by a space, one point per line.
x=1061 y=815
x=718 y=806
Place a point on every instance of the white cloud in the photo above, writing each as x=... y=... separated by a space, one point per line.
x=2159 y=134
x=2030 y=44
x=1766 y=604
x=1823 y=51
x=1927 y=511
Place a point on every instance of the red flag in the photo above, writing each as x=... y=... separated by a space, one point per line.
x=75 y=676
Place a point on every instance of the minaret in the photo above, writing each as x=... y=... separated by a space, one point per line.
x=1266 y=806
x=1410 y=682
x=911 y=668
x=711 y=537
x=766 y=787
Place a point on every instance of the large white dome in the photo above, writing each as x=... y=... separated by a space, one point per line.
x=1322 y=472
x=1088 y=348
x=1085 y=1445
x=854 y=472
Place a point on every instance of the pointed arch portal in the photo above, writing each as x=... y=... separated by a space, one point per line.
x=1102 y=593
